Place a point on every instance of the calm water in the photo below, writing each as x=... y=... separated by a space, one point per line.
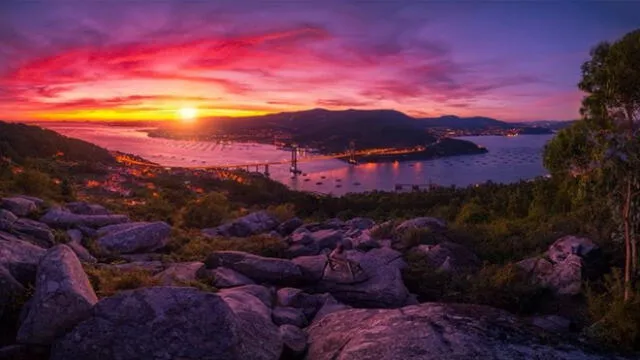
x=509 y=159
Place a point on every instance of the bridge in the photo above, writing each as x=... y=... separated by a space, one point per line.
x=350 y=155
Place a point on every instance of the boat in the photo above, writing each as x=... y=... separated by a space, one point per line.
x=356 y=183
x=338 y=186
x=307 y=179
x=319 y=183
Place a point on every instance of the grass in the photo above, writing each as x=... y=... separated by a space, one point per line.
x=107 y=281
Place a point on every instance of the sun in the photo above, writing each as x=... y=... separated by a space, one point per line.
x=188 y=114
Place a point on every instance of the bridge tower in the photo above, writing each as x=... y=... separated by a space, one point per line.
x=294 y=160
x=352 y=153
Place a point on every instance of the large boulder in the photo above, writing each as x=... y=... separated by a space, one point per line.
x=143 y=237
x=258 y=268
x=295 y=341
x=226 y=278
x=434 y=331
x=449 y=257
x=568 y=262
x=19 y=257
x=289 y=226
x=7 y=218
x=84 y=208
x=289 y=315
x=34 y=232
x=254 y=223
x=75 y=243
x=382 y=287
x=179 y=273
x=267 y=296
x=62 y=299
x=327 y=238
x=168 y=323
x=18 y=205
x=62 y=218
x=429 y=223
x=312 y=267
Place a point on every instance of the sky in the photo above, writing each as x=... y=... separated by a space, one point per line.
x=151 y=60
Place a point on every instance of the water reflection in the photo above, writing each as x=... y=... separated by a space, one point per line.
x=509 y=159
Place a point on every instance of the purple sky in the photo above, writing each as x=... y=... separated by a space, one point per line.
x=95 y=59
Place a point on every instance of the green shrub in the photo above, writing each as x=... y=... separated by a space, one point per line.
x=472 y=213
x=616 y=323
x=34 y=183
x=107 y=281
x=209 y=211
x=385 y=230
x=192 y=246
x=282 y=212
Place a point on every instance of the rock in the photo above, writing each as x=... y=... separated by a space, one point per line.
x=298 y=250
x=286 y=296
x=62 y=299
x=552 y=323
x=365 y=242
x=327 y=238
x=33 y=231
x=144 y=236
x=226 y=278
x=450 y=257
x=421 y=223
x=84 y=208
x=295 y=340
x=10 y=288
x=142 y=257
x=252 y=224
x=262 y=293
x=312 y=267
x=246 y=302
x=179 y=273
x=568 y=245
x=75 y=243
x=289 y=226
x=7 y=218
x=167 y=323
x=289 y=315
x=566 y=277
x=18 y=205
x=329 y=306
x=433 y=331
x=105 y=230
x=19 y=257
x=39 y=202
x=311 y=304
x=333 y=224
x=301 y=238
x=257 y=268
x=361 y=223
x=383 y=288
x=24 y=352
x=61 y=218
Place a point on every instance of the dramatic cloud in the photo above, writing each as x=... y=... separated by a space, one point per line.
x=116 y=59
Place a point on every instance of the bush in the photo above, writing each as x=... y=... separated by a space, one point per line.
x=34 y=183
x=385 y=230
x=616 y=322
x=192 y=246
x=282 y=212
x=208 y=211
x=107 y=281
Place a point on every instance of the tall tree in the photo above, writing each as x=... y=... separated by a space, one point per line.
x=605 y=146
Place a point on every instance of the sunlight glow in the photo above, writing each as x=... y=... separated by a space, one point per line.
x=188 y=114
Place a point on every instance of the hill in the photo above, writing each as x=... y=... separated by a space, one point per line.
x=483 y=124
x=324 y=130
x=20 y=142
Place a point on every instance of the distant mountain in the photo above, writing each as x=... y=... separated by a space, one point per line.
x=20 y=142
x=549 y=124
x=455 y=122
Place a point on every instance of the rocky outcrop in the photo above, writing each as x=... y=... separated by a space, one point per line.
x=179 y=273
x=7 y=218
x=295 y=341
x=19 y=257
x=168 y=323
x=568 y=262
x=258 y=268
x=421 y=223
x=63 y=298
x=34 y=232
x=19 y=205
x=449 y=257
x=434 y=331
x=61 y=218
x=289 y=226
x=226 y=278
x=289 y=315
x=361 y=223
x=252 y=224
x=383 y=287
x=137 y=237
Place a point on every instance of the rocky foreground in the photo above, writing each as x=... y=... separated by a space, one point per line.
x=306 y=306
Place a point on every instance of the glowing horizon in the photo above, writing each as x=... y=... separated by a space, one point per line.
x=118 y=60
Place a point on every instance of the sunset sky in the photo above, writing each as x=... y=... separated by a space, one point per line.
x=147 y=60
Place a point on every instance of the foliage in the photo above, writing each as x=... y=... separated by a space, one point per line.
x=192 y=246
x=616 y=321
x=107 y=281
x=34 y=183
x=282 y=212
x=208 y=211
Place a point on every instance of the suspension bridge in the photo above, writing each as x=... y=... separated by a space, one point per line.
x=263 y=167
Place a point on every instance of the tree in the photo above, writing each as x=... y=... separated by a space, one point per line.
x=605 y=146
